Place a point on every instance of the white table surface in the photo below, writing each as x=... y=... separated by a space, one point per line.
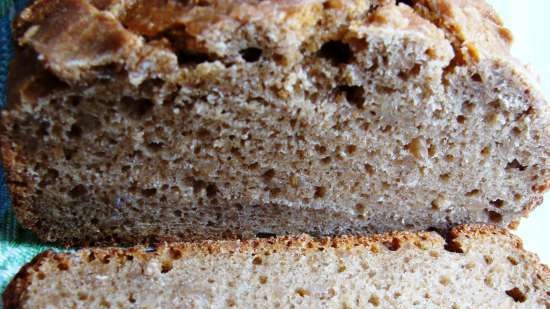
x=530 y=24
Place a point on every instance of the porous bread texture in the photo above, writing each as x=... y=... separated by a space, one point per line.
x=136 y=121
x=479 y=267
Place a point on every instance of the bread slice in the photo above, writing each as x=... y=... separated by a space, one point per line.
x=478 y=267
x=135 y=121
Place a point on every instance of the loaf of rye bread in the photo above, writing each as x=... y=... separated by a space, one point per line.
x=135 y=121
x=477 y=267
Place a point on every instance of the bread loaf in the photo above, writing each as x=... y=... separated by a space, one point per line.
x=134 y=121
x=478 y=267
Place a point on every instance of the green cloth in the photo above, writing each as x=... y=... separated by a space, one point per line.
x=17 y=246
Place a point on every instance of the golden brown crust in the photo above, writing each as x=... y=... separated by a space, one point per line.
x=15 y=291
x=473 y=27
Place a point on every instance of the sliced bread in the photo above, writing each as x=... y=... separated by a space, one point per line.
x=141 y=120
x=477 y=267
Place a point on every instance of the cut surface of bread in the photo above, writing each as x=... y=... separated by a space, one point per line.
x=134 y=121
x=478 y=267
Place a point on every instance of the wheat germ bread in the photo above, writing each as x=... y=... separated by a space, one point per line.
x=133 y=121
x=479 y=267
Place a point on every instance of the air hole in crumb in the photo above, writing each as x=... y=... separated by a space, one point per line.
x=445 y=177
x=415 y=148
x=268 y=175
x=166 y=267
x=198 y=185
x=137 y=109
x=265 y=235
x=494 y=104
x=63 y=266
x=387 y=129
x=43 y=129
x=355 y=95
x=188 y=58
x=251 y=54
x=472 y=193
x=477 y=78
x=486 y=151
x=341 y=268
x=438 y=114
x=49 y=177
x=302 y=292
x=257 y=260
x=414 y=71
x=468 y=107
x=321 y=149
x=211 y=190
x=155 y=146
x=517 y=295
x=407 y=2
x=350 y=149
x=497 y=203
x=369 y=169
x=393 y=245
x=515 y=164
x=294 y=181
x=491 y=118
x=512 y=260
x=91 y=257
x=131 y=298
x=494 y=216
x=374 y=300
x=330 y=4
x=149 y=192
x=82 y=296
x=106 y=259
x=78 y=191
x=69 y=153
x=461 y=119
x=432 y=150
x=453 y=246
x=177 y=213
x=319 y=192
x=275 y=191
x=75 y=132
x=336 y=51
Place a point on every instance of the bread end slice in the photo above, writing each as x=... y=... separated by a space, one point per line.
x=477 y=266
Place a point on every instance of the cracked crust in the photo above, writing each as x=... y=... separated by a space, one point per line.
x=132 y=48
x=467 y=238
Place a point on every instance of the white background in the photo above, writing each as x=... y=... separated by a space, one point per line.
x=530 y=23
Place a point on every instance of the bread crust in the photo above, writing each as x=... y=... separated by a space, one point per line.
x=14 y=295
x=15 y=291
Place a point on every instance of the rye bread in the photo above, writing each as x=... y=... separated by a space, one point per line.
x=135 y=121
